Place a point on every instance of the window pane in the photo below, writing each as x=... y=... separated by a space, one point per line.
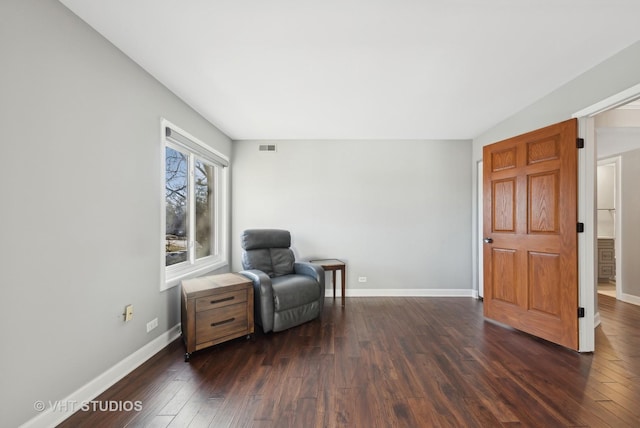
x=177 y=186
x=204 y=208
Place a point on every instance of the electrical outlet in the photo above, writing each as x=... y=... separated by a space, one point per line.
x=362 y=279
x=152 y=324
x=128 y=313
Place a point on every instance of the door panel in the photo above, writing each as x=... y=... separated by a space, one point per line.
x=543 y=203
x=504 y=275
x=530 y=215
x=544 y=294
x=504 y=216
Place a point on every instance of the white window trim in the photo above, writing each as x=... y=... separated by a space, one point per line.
x=172 y=275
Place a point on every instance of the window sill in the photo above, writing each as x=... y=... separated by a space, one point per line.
x=174 y=278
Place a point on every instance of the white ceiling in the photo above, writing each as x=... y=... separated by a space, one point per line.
x=342 y=69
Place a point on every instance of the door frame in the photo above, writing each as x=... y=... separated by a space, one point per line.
x=587 y=241
x=479 y=225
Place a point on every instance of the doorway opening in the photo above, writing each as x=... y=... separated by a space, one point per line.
x=617 y=135
x=608 y=227
x=587 y=213
x=587 y=208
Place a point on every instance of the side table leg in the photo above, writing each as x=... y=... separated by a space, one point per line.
x=334 y=283
x=343 y=272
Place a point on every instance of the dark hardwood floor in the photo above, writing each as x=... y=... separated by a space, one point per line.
x=390 y=362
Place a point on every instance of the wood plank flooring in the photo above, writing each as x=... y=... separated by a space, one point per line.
x=390 y=362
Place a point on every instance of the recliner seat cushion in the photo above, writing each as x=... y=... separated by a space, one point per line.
x=290 y=291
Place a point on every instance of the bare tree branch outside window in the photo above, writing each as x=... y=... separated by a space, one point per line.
x=176 y=202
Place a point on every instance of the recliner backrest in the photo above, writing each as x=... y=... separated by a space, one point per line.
x=268 y=250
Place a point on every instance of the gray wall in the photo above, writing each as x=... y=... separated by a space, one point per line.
x=630 y=211
x=398 y=212
x=608 y=78
x=79 y=217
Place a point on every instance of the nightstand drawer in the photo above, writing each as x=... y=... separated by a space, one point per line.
x=221 y=299
x=217 y=323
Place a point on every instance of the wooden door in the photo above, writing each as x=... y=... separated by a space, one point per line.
x=530 y=230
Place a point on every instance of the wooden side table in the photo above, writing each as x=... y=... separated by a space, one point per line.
x=334 y=265
x=215 y=309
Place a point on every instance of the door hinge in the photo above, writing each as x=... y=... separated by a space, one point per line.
x=580 y=312
x=580 y=143
x=580 y=227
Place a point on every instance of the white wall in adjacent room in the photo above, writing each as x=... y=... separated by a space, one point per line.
x=630 y=226
x=606 y=201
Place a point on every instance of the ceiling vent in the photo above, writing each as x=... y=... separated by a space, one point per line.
x=267 y=148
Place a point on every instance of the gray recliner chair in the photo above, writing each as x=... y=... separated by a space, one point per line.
x=286 y=293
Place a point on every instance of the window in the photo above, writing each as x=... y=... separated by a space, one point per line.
x=194 y=206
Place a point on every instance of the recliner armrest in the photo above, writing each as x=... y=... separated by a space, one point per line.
x=262 y=297
x=314 y=271
x=309 y=269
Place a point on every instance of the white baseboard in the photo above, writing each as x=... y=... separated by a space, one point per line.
x=596 y=319
x=629 y=298
x=72 y=403
x=403 y=292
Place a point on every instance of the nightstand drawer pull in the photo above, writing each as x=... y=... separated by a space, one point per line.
x=213 y=324
x=220 y=300
x=226 y=299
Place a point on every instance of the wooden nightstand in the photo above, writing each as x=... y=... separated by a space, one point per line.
x=215 y=309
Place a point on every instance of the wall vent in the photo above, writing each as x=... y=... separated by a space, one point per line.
x=267 y=148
